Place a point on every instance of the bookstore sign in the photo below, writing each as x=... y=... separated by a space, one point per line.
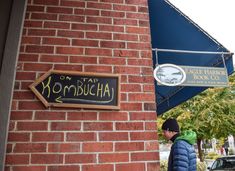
x=174 y=75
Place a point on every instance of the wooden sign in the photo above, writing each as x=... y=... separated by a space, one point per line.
x=78 y=89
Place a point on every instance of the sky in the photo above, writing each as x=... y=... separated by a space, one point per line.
x=216 y=17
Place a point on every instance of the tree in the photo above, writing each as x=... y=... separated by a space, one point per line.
x=211 y=114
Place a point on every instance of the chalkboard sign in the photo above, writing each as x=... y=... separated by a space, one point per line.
x=78 y=89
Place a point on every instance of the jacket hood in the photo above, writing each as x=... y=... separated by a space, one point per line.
x=189 y=136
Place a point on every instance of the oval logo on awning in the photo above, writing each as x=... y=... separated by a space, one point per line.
x=169 y=74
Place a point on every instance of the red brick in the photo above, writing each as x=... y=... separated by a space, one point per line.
x=99 y=35
x=25 y=76
x=21 y=115
x=129 y=146
x=68 y=147
x=141 y=97
x=130 y=8
x=69 y=50
x=112 y=61
x=126 y=37
x=150 y=106
x=130 y=166
x=47 y=2
x=68 y=67
x=139 y=46
x=17 y=159
x=80 y=137
x=111 y=28
x=142 y=62
x=31 y=40
x=84 y=27
x=126 y=53
x=29 y=147
x=39 y=49
x=100 y=167
x=143 y=116
x=37 y=67
x=41 y=32
x=80 y=42
x=111 y=44
x=150 y=126
x=131 y=87
x=58 y=25
x=139 y=79
x=71 y=3
x=149 y=88
x=145 y=156
x=18 y=137
x=22 y=95
x=131 y=106
x=11 y=126
x=116 y=14
x=59 y=10
x=137 y=2
x=31 y=105
x=64 y=126
x=82 y=116
x=29 y=168
x=56 y=41
x=117 y=157
x=143 y=135
x=143 y=9
x=35 y=8
x=48 y=115
x=70 y=34
x=72 y=18
x=113 y=136
x=32 y=126
x=28 y=57
x=9 y=148
x=97 y=147
x=96 y=5
x=35 y=24
x=128 y=22
x=80 y=158
x=98 y=126
x=43 y=16
x=83 y=60
x=100 y=68
x=127 y=70
x=64 y=168
x=87 y=12
x=47 y=136
x=117 y=116
x=153 y=166
x=54 y=58
x=129 y=126
x=46 y=158
x=98 y=52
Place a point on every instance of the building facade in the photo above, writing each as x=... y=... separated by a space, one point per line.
x=95 y=36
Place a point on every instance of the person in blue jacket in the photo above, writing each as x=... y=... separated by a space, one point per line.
x=182 y=155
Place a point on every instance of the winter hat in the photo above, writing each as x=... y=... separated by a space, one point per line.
x=170 y=125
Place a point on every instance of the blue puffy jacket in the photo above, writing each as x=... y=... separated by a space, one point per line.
x=182 y=156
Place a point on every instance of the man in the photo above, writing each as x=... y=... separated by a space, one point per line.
x=182 y=155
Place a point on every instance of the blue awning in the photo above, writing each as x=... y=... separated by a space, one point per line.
x=171 y=29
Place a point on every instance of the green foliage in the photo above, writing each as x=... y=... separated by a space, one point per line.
x=211 y=114
x=201 y=166
x=212 y=155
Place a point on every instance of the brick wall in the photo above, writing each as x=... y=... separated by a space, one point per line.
x=101 y=36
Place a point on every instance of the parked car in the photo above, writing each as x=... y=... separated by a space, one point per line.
x=226 y=163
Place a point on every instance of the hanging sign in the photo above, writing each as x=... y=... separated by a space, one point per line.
x=78 y=89
x=173 y=75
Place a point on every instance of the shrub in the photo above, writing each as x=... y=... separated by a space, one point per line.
x=201 y=166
